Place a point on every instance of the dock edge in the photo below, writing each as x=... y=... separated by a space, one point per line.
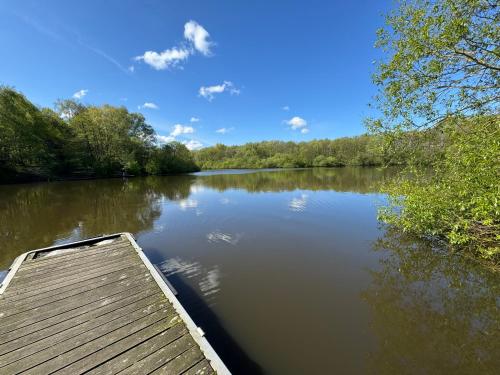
x=195 y=331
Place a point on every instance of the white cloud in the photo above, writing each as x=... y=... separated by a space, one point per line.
x=198 y=40
x=197 y=35
x=80 y=94
x=161 y=139
x=297 y=122
x=148 y=105
x=304 y=130
x=193 y=144
x=285 y=108
x=166 y=59
x=208 y=92
x=224 y=130
x=181 y=129
x=131 y=68
x=194 y=119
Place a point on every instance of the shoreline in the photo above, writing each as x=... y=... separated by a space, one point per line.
x=35 y=179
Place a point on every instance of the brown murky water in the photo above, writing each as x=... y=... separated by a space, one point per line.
x=287 y=271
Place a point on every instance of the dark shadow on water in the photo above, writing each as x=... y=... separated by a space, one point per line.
x=228 y=349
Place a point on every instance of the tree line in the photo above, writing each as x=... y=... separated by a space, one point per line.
x=422 y=146
x=360 y=150
x=79 y=141
x=74 y=140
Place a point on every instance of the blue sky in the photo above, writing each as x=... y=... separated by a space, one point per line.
x=258 y=70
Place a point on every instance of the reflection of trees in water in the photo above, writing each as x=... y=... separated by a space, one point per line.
x=36 y=215
x=360 y=180
x=32 y=216
x=432 y=312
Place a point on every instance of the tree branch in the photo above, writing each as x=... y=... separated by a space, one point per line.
x=470 y=56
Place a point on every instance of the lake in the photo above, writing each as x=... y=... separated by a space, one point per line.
x=287 y=271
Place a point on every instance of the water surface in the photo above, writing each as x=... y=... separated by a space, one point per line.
x=288 y=272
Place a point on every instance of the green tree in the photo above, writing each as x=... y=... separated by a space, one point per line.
x=443 y=60
x=172 y=157
x=361 y=150
x=77 y=140
x=32 y=141
x=114 y=139
x=439 y=86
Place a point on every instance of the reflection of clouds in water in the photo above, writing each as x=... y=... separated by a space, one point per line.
x=196 y=189
x=227 y=201
x=208 y=280
x=184 y=204
x=158 y=227
x=75 y=235
x=217 y=236
x=177 y=265
x=210 y=283
x=298 y=204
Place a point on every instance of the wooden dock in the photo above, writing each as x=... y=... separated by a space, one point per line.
x=97 y=306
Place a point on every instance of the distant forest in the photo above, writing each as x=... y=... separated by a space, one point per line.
x=363 y=150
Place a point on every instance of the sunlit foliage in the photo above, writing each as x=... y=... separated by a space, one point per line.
x=440 y=82
x=361 y=150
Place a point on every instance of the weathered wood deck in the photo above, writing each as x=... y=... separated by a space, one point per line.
x=97 y=306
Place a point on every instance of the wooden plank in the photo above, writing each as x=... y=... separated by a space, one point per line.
x=32 y=300
x=139 y=352
x=181 y=363
x=76 y=261
x=72 y=289
x=14 y=341
x=161 y=356
x=71 y=267
x=76 y=353
x=41 y=352
x=82 y=254
x=72 y=279
x=201 y=368
x=116 y=345
x=57 y=337
x=68 y=283
x=91 y=309
x=46 y=311
x=26 y=304
x=78 y=253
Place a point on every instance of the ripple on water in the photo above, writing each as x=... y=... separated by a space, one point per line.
x=217 y=236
